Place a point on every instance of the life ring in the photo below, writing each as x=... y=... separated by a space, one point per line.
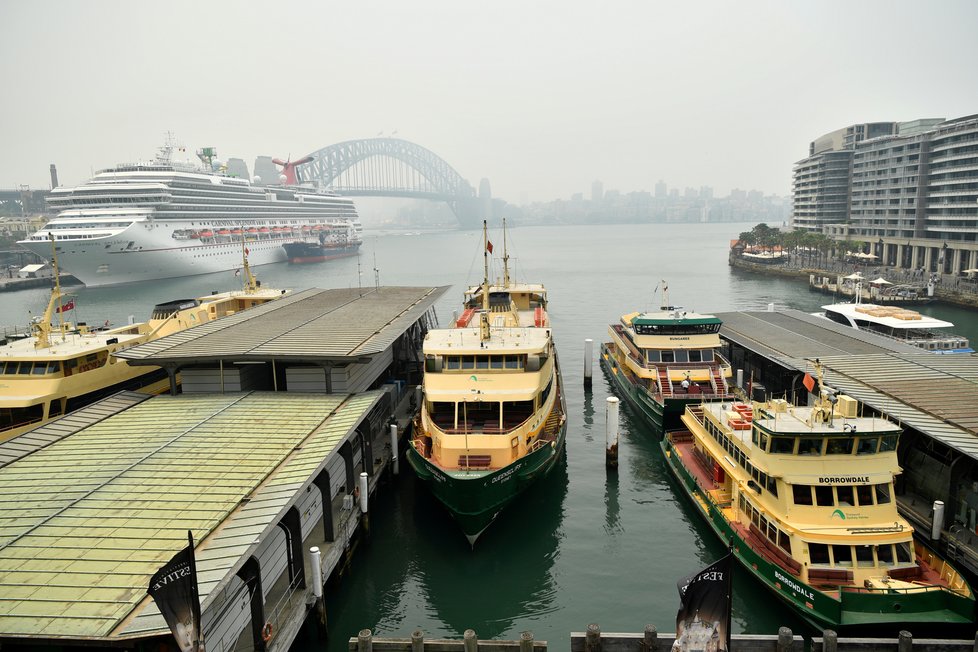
x=266 y=632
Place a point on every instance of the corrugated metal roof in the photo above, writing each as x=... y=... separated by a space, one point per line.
x=36 y=439
x=85 y=521
x=931 y=393
x=336 y=324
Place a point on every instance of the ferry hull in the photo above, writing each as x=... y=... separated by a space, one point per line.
x=476 y=498
x=854 y=610
x=660 y=415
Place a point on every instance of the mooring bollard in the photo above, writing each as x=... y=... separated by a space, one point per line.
x=611 y=434
x=365 y=641
x=417 y=641
x=785 y=639
x=830 y=641
x=938 y=523
x=588 y=346
x=650 y=643
x=363 y=492
x=592 y=638
x=905 y=642
x=469 y=642
x=317 y=590
x=394 y=462
x=526 y=642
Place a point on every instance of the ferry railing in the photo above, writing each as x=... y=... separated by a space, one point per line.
x=285 y=606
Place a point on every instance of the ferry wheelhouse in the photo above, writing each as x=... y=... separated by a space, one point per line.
x=805 y=498
x=493 y=418
x=662 y=361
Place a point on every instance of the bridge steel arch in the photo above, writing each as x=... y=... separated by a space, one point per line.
x=391 y=167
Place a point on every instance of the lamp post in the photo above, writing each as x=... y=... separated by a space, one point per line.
x=879 y=251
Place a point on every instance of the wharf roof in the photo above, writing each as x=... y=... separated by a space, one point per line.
x=339 y=325
x=933 y=393
x=86 y=520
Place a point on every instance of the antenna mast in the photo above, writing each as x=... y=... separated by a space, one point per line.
x=505 y=257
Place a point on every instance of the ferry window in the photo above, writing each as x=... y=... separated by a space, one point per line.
x=847 y=495
x=884 y=554
x=867 y=445
x=784 y=541
x=681 y=355
x=842 y=555
x=809 y=446
x=802 y=494
x=755 y=518
x=468 y=363
x=453 y=362
x=865 y=494
x=772 y=486
x=818 y=553
x=888 y=443
x=882 y=494
x=839 y=446
x=694 y=355
x=40 y=369
x=668 y=356
x=3 y=367
x=823 y=496
x=864 y=556
x=772 y=532
x=753 y=437
x=783 y=445
x=496 y=362
x=706 y=355
x=903 y=553
x=25 y=368
x=482 y=362
x=56 y=408
x=512 y=362
x=763 y=442
x=652 y=355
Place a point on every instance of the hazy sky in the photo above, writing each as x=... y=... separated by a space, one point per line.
x=541 y=97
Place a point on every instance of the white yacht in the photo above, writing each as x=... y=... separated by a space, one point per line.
x=165 y=218
x=907 y=326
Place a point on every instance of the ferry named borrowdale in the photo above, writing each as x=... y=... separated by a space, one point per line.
x=166 y=218
x=804 y=496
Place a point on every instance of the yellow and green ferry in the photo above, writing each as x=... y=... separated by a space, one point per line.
x=492 y=419
x=660 y=362
x=805 y=498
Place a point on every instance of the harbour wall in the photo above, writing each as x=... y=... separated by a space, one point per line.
x=953 y=292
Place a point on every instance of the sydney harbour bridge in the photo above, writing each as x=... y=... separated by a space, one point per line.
x=391 y=167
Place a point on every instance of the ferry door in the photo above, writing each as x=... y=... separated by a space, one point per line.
x=719 y=477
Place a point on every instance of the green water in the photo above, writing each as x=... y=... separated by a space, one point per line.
x=584 y=545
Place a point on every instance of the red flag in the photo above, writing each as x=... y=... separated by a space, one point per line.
x=66 y=306
x=489 y=246
x=809 y=383
x=246 y=251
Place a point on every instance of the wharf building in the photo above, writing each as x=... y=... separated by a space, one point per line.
x=909 y=190
x=282 y=426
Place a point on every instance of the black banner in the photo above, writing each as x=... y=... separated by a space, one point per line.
x=703 y=621
x=174 y=588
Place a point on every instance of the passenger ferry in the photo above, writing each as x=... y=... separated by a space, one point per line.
x=166 y=218
x=661 y=361
x=805 y=498
x=907 y=326
x=58 y=368
x=493 y=418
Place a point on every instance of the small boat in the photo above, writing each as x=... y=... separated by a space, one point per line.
x=662 y=361
x=902 y=324
x=804 y=496
x=263 y=229
x=492 y=419
x=252 y=229
x=206 y=233
x=61 y=366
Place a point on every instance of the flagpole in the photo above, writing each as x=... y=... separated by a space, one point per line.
x=198 y=629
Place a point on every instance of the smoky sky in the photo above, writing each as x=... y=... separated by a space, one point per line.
x=541 y=98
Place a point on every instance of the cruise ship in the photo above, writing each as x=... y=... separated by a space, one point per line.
x=164 y=219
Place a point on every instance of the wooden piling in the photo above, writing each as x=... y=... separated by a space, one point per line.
x=469 y=641
x=365 y=641
x=905 y=643
x=650 y=643
x=588 y=355
x=526 y=642
x=592 y=638
x=785 y=639
x=830 y=641
x=417 y=641
x=611 y=434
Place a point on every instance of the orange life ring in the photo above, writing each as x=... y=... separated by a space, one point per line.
x=266 y=632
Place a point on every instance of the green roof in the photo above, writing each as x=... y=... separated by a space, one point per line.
x=677 y=321
x=85 y=521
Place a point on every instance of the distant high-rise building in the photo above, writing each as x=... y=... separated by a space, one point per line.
x=674 y=193
x=661 y=189
x=706 y=192
x=690 y=193
x=238 y=168
x=266 y=170
x=597 y=191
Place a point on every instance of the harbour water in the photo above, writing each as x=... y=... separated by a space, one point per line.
x=584 y=545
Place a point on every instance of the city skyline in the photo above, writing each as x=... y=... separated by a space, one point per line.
x=541 y=99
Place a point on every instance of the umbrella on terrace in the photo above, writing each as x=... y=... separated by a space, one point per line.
x=880 y=281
